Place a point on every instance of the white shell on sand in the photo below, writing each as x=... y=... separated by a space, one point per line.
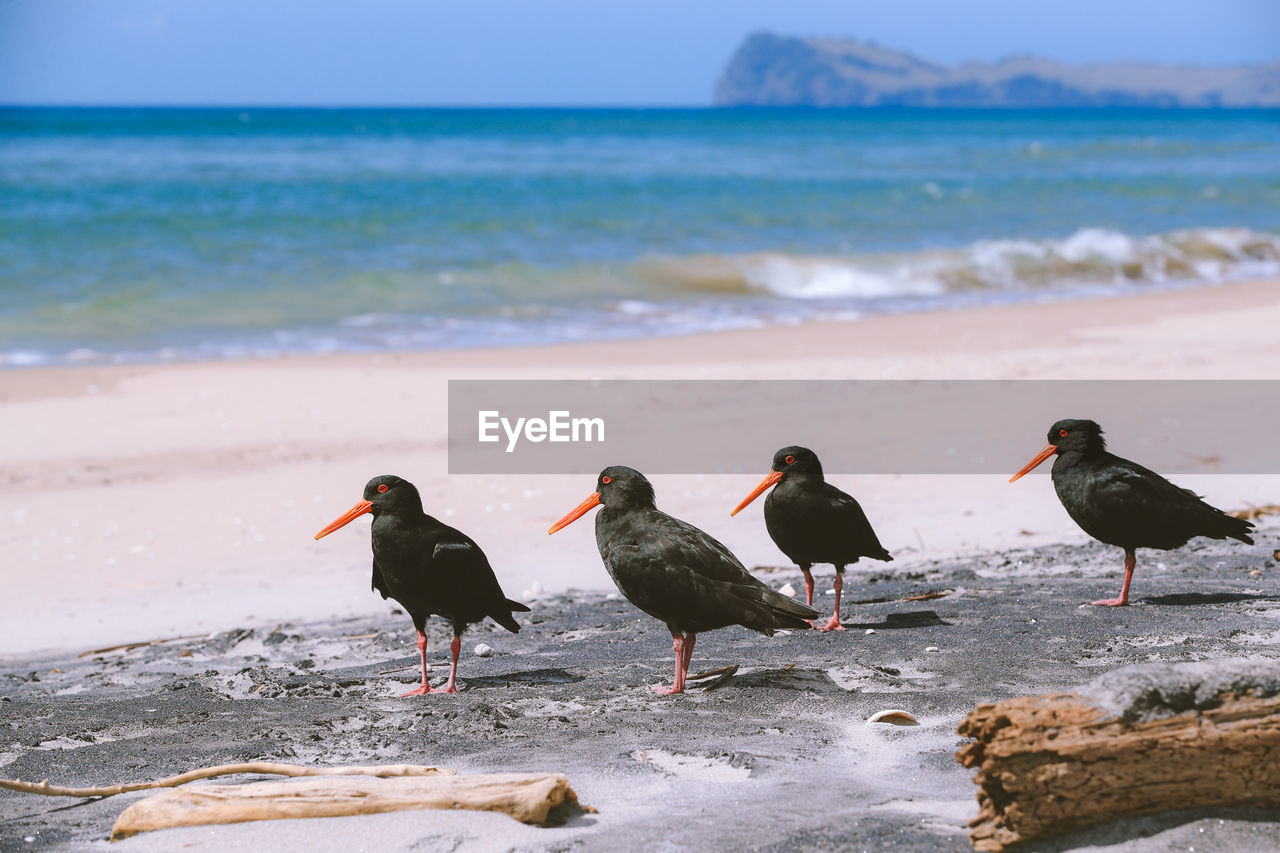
x=893 y=716
x=788 y=590
x=484 y=650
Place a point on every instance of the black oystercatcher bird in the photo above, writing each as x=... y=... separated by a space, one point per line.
x=1121 y=503
x=428 y=567
x=675 y=572
x=811 y=521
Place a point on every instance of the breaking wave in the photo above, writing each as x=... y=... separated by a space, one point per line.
x=1089 y=257
x=526 y=304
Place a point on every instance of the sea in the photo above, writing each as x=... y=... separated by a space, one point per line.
x=133 y=235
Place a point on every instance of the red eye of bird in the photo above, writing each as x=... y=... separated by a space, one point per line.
x=1062 y=432
x=791 y=460
x=606 y=480
x=382 y=488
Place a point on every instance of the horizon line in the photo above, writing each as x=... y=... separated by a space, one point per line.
x=230 y=106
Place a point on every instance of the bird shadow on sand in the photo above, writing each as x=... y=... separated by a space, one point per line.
x=87 y=801
x=534 y=677
x=910 y=619
x=1189 y=599
x=806 y=680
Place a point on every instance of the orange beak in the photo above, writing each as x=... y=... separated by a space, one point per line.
x=767 y=483
x=577 y=512
x=1048 y=451
x=347 y=517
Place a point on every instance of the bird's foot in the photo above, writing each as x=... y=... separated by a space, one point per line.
x=420 y=690
x=449 y=688
x=665 y=691
x=833 y=624
x=1110 y=602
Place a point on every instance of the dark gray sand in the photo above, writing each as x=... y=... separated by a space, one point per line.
x=777 y=758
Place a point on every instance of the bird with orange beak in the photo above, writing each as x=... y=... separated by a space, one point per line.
x=811 y=521
x=1121 y=503
x=428 y=567
x=675 y=572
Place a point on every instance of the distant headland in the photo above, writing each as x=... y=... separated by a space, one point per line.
x=771 y=70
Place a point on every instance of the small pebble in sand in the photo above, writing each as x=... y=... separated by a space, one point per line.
x=932 y=649
x=871 y=630
x=611 y=596
x=788 y=590
x=1255 y=572
x=484 y=650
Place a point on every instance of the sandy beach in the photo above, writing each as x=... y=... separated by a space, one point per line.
x=148 y=501
x=781 y=746
x=547 y=271
x=178 y=502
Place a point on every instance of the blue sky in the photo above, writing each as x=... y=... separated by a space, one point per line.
x=546 y=52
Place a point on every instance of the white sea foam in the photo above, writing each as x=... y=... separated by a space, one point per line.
x=809 y=278
x=1090 y=256
x=23 y=358
x=701 y=293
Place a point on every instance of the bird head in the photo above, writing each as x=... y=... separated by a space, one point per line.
x=788 y=460
x=617 y=486
x=1072 y=435
x=381 y=494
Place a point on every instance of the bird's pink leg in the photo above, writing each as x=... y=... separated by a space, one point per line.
x=808 y=585
x=689 y=639
x=1130 y=560
x=424 y=687
x=833 y=624
x=677 y=643
x=808 y=591
x=454 y=648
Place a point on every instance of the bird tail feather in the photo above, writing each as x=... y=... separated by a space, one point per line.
x=1240 y=530
x=781 y=611
x=1221 y=525
x=506 y=620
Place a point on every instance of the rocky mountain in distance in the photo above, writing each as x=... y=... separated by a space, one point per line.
x=770 y=70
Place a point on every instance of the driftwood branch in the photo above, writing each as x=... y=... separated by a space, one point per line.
x=539 y=799
x=1142 y=739
x=128 y=647
x=264 y=767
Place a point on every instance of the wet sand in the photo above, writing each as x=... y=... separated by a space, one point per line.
x=776 y=758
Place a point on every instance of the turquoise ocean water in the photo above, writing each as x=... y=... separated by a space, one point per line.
x=159 y=234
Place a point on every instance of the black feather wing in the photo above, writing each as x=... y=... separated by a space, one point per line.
x=846 y=516
x=463 y=573
x=818 y=523
x=680 y=574
x=379 y=583
x=1123 y=503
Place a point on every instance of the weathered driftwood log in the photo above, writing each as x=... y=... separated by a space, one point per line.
x=1138 y=740
x=530 y=798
